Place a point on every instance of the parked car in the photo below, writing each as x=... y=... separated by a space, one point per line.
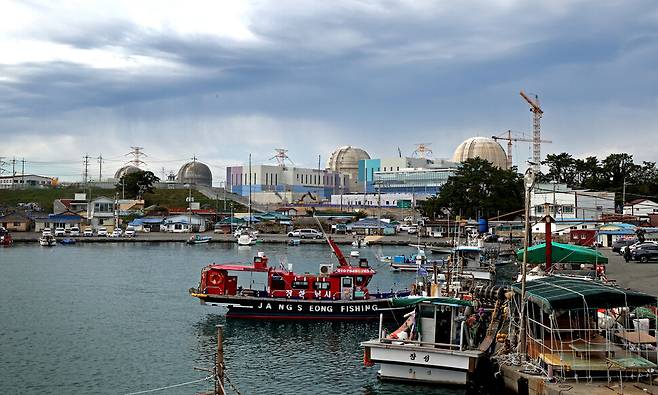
x=645 y=253
x=117 y=232
x=46 y=232
x=404 y=228
x=102 y=232
x=306 y=234
x=618 y=245
x=74 y=231
x=339 y=228
x=60 y=232
x=412 y=230
x=88 y=232
x=130 y=232
x=490 y=238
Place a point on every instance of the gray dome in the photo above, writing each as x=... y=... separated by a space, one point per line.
x=128 y=169
x=481 y=147
x=195 y=173
x=346 y=159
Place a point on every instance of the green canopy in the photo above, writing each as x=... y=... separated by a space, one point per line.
x=412 y=300
x=562 y=253
x=565 y=293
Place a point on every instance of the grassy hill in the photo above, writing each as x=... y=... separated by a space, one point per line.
x=169 y=198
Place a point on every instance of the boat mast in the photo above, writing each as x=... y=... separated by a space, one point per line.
x=528 y=181
x=249 y=220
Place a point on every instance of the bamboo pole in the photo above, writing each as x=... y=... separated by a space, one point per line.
x=219 y=362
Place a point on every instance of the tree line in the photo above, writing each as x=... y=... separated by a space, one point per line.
x=479 y=189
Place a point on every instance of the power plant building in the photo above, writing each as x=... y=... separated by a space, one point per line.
x=285 y=184
x=195 y=173
x=346 y=160
x=405 y=175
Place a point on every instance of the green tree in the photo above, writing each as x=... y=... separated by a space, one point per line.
x=478 y=188
x=561 y=168
x=135 y=185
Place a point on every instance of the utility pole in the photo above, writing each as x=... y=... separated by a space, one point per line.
x=13 y=173
x=23 y=173
x=528 y=182
x=100 y=167
x=86 y=172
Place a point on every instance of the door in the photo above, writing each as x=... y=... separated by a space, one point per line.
x=347 y=288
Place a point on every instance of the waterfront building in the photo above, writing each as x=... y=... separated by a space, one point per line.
x=78 y=205
x=572 y=204
x=25 y=181
x=64 y=220
x=272 y=184
x=101 y=212
x=184 y=223
x=16 y=222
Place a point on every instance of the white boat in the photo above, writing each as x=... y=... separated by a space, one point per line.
x=246 y=240
x=358 y=243
x=354 y=254
x=437 y=349
x=47 y=241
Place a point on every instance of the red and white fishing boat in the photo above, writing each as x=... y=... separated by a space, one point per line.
x=262 y=291
x=5 y=238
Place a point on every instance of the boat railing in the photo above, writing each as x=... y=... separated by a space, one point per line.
x=454 y=347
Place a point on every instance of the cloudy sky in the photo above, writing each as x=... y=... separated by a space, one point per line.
x=222 y=79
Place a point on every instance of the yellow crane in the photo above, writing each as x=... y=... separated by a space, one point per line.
x=537 y=112
x=507 y=136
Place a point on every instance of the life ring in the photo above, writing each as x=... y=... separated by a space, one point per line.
x=215 y=279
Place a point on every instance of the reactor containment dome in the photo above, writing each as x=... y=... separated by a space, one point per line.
x=346 y=159
x=195 y=173
x=481 y=147
x=125 y=170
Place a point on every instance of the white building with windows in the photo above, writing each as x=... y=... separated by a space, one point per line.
x=641 y=208
x=25 y=181
x=562 y=202
x=401 y=200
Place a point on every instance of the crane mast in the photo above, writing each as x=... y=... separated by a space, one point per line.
x=536 y=129
x=509 y=138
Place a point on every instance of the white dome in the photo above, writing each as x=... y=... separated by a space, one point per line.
x=481 y=147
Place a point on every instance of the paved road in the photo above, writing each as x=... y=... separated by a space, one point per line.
x=638 y=276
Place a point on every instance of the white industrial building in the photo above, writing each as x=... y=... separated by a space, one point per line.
x=24 y=181
x=404 y=200
x=566 y=203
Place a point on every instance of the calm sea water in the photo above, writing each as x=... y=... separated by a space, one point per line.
x=117 y=318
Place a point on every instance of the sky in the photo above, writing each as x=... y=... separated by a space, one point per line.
x=219 y=80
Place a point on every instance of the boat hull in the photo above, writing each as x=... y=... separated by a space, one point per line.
x=298 y=309
x=409 y=362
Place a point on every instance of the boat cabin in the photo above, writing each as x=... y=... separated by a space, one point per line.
x=579 y=327
x=260 y=280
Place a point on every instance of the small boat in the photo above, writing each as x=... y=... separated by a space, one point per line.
x=437 y=344
x=47 y=241
x=294 y=242
x=198 y=239
x=354 y=254
x=67 y=241
x=5 y=238
x=359 y=243
x=259 y=291
x=246 y=239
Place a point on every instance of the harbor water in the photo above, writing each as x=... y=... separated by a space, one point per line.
x=117 y=318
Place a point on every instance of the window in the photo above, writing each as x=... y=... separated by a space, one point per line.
x=539 y=209
x=358 y=280
x=347 y=282
x=278 y=283
x=567 y=209
x=300 y=285
x=321 y=285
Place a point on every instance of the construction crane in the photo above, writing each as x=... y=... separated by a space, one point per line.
x=507 y=136
x=536 y=129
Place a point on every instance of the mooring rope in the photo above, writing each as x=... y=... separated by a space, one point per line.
x=169 y=386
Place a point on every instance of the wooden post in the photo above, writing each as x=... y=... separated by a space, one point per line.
x=219 y=361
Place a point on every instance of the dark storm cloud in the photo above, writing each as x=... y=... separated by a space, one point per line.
x=367 y=71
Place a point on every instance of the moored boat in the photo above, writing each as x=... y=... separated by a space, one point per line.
x=67 y=241
x=47 y=241
x=247 y=239
x=199 y=239
x=262 y=291
x=5 y=238
x=437 y=344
